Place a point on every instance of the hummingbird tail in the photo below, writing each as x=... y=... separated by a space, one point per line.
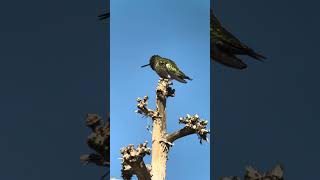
x=256 y=56
x=187 y=77
x=181 y=80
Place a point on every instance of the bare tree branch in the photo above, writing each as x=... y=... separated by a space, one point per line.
x=179 y=134
x=133 y=164
x=193 y=125
x=143 y=108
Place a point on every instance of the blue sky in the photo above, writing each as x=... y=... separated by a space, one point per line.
x=140 y=29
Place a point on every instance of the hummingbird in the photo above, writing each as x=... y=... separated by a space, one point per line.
x=166 y=69
x=224 y=47
x=104 y=16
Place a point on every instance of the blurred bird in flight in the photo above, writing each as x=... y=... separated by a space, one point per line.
x=224 y=47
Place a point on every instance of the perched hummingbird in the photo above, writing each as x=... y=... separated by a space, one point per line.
x=104 y=16
x=166 y=69
x=225 y=47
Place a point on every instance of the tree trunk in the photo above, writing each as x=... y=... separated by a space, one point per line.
x=159 y=148
x=161 y=140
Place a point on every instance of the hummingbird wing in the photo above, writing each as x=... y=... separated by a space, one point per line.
x=228 y=42
x=221 y=37
x=175 y=72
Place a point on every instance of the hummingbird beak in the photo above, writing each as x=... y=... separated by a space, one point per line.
x=145 y=65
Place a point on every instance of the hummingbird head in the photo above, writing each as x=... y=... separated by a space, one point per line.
x=152 y=61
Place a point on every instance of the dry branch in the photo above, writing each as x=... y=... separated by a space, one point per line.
x=133 y=164
x=143 y=108
x=193 y=125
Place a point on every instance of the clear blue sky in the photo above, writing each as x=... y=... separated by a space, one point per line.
x=178 y=30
